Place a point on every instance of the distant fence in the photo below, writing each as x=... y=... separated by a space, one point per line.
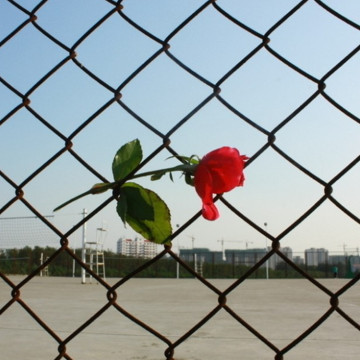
x=210 y=265
x=22 y=102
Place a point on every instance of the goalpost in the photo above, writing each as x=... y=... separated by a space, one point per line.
x=22 y=231
x=19 y=232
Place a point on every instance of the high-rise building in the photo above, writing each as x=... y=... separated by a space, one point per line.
x=314 y=257
x=276 y=259
x=136 y=247
x=148 y=249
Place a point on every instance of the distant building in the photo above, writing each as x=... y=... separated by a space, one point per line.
x=287 y=251
x=298 y=260
x=250 y=257
x=314 y=257
x=201 y=254
x=337 y=259
x=140 y=248
x=247 y=257
x=276 y=259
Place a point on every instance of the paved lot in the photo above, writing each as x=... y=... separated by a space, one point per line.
x=280 y=310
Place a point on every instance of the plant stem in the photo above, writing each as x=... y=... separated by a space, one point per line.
x=183 y=167
x=73 y=199
x=99 y=188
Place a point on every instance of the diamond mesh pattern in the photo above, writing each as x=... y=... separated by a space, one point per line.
x=81 y=58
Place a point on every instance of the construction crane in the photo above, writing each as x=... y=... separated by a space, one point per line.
x=247 y=243
x=223 y=248
x=192 y=240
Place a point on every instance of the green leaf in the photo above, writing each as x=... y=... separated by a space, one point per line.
x=121 y=208
x=145 y=212
x=126 y=159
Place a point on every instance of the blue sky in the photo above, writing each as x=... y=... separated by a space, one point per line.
x=265 y=90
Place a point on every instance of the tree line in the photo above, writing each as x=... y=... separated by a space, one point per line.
x=26 y=260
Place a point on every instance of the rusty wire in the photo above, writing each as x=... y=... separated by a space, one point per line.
x=165 y=138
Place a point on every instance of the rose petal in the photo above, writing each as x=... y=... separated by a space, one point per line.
x=210 y=212
x=219 y=171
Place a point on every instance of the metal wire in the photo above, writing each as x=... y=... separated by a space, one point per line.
x=165 y=143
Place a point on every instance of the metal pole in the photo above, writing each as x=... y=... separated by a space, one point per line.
x=83 y=255
x=73 y=265
x=177 y=270
x=41 y=262
x=266 y=249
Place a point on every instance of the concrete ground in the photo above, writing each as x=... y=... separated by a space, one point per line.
x=280 y=310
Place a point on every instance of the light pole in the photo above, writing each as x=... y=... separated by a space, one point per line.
x=83 y=254
x=266 y=248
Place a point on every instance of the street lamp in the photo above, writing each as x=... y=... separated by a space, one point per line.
x=266 y=247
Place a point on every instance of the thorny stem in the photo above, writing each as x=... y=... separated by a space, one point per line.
x=99 y=188
x=184 y=167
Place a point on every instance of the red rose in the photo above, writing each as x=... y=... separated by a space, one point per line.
x=219 y=171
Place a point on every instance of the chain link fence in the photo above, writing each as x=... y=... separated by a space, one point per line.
x=114 y=88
